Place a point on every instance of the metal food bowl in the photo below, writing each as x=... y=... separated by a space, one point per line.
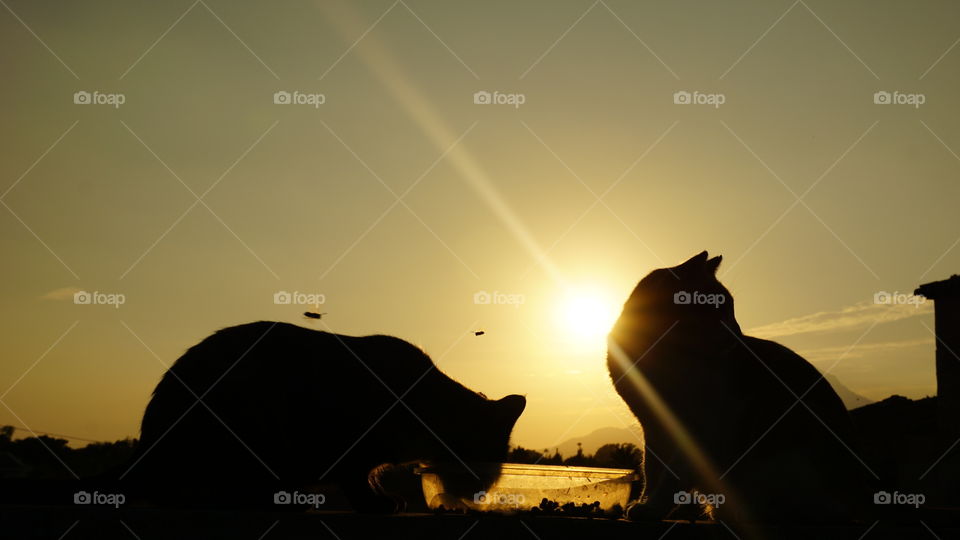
x=522 y=487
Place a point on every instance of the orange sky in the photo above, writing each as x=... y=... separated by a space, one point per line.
x=398 y=198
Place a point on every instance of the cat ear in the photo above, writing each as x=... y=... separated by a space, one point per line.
x=511 y=407
x=699 y=258
x=713 y=263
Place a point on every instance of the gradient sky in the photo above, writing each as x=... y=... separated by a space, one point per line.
x=494 y=197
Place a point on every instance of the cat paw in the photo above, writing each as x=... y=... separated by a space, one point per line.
x=637 y=511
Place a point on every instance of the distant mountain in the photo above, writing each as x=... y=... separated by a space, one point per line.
x=594 y=440
x=851 y=399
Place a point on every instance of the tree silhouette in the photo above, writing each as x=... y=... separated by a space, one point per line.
x=579 y=460
x=51 y=457
x=618 y=456
x=524 y=455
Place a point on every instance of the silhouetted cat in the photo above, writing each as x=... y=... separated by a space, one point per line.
x=778 y=458
x=283 y=406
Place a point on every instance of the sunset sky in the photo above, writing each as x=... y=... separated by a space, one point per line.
x=399 y=199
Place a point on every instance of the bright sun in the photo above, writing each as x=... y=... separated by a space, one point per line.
x=585 y=315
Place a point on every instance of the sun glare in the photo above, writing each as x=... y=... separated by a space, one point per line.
x=586 y=314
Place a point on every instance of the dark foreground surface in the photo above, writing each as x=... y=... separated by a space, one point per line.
x=72 y=523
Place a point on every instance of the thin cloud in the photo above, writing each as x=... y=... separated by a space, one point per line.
x=861 y=350
x=63 y=293
x=850 y=317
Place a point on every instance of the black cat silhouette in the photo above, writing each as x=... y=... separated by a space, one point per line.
x=776 y=456
x=281 y=406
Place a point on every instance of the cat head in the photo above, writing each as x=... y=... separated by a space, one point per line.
x=687 y=297
x=471 y=454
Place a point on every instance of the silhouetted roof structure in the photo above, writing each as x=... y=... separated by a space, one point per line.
x=946 y=288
